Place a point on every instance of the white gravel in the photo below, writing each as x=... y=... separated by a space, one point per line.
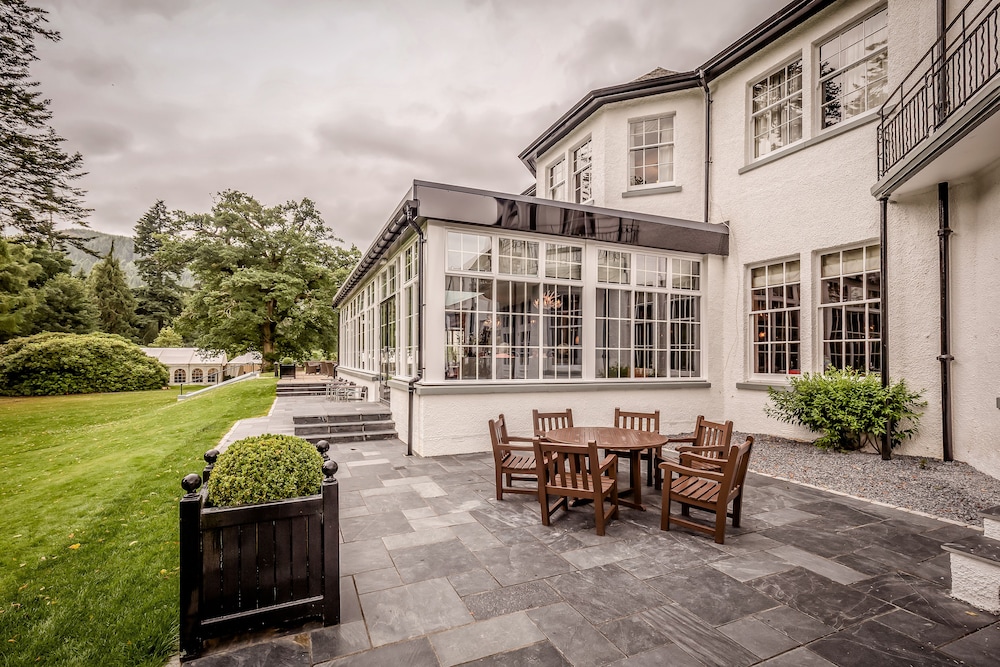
x=951 y=490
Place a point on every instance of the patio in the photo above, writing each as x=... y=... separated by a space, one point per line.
x=436 y=571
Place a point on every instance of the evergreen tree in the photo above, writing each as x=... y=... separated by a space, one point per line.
x=63 y=305
x=36 y=175
x=168 y=338
x=17 y=299
x=160 y=299
x=115 y=304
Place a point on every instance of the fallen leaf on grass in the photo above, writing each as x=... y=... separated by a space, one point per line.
x=133 y=542
x=75 y=546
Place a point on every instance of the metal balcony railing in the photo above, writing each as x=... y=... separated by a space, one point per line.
x=959 y=64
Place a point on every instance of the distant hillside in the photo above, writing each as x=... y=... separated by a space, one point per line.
x=101 y=243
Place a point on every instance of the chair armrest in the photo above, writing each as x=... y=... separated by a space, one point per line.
x=608 y=461
x=687 y=438
x=691 y=472
x=518 y=438
x=686 y=457
x=696 y=449
x=518 y=448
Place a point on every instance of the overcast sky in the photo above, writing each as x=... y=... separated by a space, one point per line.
x=344 y=102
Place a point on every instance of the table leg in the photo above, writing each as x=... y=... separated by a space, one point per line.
x=635 y=472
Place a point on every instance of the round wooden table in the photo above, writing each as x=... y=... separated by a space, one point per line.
x=619 y=439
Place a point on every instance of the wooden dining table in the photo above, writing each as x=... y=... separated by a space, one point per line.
x=620 y=439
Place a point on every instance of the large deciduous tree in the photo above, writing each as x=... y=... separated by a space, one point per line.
x=37 y=175
x=265 y=276
x=161 y=298
x=109 y=289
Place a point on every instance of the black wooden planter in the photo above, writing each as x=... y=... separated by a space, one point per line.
x=286 y=371
x=255 y=566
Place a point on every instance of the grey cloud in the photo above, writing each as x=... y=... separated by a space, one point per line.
x=92 y=69
x=121 y=10
x=96 y=138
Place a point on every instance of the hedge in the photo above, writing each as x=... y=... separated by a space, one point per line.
x=50 y=364
x=265 y=468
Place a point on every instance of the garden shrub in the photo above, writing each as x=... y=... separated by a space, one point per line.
x=850 y=409
x=265 y=468
x=50 y=364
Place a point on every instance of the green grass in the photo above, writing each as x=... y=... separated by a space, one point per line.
x=89 y=487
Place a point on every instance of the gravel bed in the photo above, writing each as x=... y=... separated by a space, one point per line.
x=952 y=490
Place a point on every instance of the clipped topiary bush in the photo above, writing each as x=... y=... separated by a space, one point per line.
x=849 y=408
x=50 y=364
x=265 y=468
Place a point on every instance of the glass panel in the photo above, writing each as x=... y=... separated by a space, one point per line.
x=830 y=265
x=792 y=271
x=758 y=277
x=830 y=291
x=775 y=274
x=854 y=260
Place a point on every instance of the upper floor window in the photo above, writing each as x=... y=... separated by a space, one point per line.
x=469 y=252
x=557 y=180
x=582 y=192
x=853 y=67
x=651 y=151
x=517 y=257
x=776 y=109
x=850 y=293
x=563 y=261
x=613 y=266
x=775 y=295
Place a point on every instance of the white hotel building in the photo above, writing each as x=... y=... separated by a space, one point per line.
x=826 y=190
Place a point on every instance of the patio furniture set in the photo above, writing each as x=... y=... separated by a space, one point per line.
x=563 y=461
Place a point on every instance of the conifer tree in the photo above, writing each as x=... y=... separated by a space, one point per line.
x=36 y=174
x=160 y=299
x=109 y=289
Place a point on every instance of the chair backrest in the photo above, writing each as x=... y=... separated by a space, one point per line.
x=568 y=467
x=741 y=471
x=638 y=421
x=548 y=421
x=712 y=434
x=737 y=459
x=498 y=432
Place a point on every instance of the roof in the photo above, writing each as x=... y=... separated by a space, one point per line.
x=246 y=358
x=661 y=81
x=183 y=356
x=525 y=214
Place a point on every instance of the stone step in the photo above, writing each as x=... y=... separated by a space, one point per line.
x=349 y=418
x=355 y=436
x=345 y=427
x=975 y=571
x=991 y=523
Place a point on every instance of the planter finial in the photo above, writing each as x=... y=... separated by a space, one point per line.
x=191 y=483
x=211 y=455
x=330 y=468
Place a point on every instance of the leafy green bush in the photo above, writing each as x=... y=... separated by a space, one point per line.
x=50 y=364
x=265 y=468
x=849 y=408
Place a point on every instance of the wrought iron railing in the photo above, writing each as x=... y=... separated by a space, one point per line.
x=961 y=63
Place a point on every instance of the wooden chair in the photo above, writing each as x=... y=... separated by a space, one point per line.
x=710 y=490
x=548 y=421
x=713 y=458
x=639 y=421
x=572 y=471
x=514 y=461
x=706 y=434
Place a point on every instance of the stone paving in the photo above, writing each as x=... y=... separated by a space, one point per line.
x=436 y=571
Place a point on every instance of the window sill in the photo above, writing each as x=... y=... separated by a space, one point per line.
x=812 y=141
x=473 y=387
x=760 y=385
x=662 y=190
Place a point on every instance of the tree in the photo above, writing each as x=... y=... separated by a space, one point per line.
x=36 y=174
x=17 y=299
x=115 y=304
x=168 y=338
x=265 y=277
x=161 y=298
x=63 y=305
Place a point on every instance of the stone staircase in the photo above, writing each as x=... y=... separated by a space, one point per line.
x=300 y=388
x=975 y=565
x=356 y=427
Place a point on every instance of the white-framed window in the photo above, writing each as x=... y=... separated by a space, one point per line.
x=649 y=328
x=776 y=109
x=213 y=375
x=651 y=151
x=180 y=376
x=850 y=292
x=853 y=69
x=613 y=266
x=775 y=299
x=517 y=257
x=469 y=252
x=197 y=376
x=557 y=180
x=563 y=261
x=582 y=158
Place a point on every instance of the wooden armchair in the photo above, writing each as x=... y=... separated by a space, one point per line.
x=639 y=421
x=711 y=490
x=515 y=462
x=706 y=434
x=572 y=471
x=548 y=421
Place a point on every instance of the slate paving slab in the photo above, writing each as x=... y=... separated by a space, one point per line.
x=436 y=571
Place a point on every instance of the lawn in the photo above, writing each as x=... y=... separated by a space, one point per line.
x=88 y=527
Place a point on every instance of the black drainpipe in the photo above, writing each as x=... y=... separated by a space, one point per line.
x=411 y=213
x=708 y=138
x=944 y=233
x=884 y=312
